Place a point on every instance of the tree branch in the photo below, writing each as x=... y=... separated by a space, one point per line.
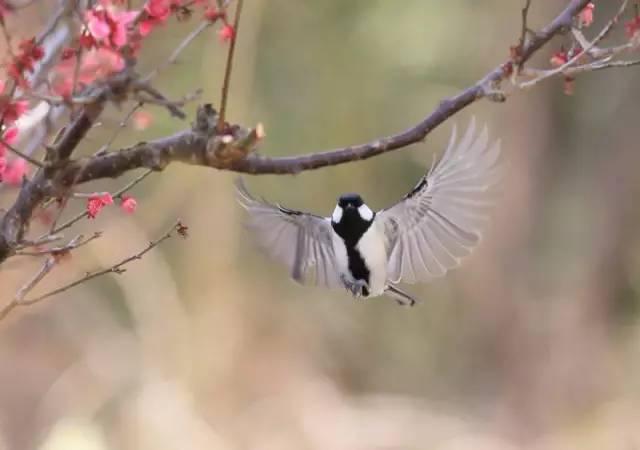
x=52 y=260
x=190 y=146
x=585 y=50
x=35 y=191
x=229 y=67
x=202 y=145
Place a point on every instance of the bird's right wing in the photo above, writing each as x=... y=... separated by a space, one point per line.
x=301 y=241
x=441 y=220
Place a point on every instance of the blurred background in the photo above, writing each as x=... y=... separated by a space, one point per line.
x=205 y=343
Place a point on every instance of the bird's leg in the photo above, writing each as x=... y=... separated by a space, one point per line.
x=354 y=286
x=401 y=297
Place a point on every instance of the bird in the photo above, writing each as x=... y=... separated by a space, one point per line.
x=422 y=236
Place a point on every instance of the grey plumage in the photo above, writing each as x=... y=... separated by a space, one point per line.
x=427 y=233
x=442 y=219
x=302 y=242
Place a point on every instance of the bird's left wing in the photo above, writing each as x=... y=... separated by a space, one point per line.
x=301 y=241
x=441 y=220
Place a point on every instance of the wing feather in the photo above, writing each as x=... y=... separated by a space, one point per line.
x=301 y=241
x=442 y=219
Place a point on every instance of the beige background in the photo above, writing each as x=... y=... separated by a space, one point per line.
x=205 y=343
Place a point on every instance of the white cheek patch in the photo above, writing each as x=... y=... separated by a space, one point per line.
x=336 y=217
x=365 y=212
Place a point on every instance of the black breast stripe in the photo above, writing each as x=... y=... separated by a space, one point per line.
x=358 y=268
x=350 y=229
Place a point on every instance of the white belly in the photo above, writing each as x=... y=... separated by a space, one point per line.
x=372 y=249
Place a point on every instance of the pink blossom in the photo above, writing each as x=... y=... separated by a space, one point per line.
x=559 y=58
x=68 y=53
x=4 y=8
x=122 y=20
x=8 y=137
x=226 y=33
x=94 y=205
x=212 y=14
x=128 y=204
x=142 y=120
x=11 y=172
x=158 y=11
x=147 y=25
x=632 y=26
x=24 y=60
x=97 y=24
x=109 y=28
x=14 y=171
x=586 y=15
x=96 y=64
x=106 y=198
x=11 y=111
x=96 y=202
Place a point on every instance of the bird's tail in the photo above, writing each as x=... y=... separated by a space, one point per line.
x=400 y=296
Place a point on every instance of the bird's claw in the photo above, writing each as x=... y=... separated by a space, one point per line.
x=355 y=287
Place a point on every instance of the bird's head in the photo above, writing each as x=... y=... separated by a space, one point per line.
x=351 y=207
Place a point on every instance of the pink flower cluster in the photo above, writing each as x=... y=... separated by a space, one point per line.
x=11 y=171
x=97 y=201
x=109 y=30
x=28 y=53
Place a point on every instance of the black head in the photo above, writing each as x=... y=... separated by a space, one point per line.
x=351 y=218
x=353 y=200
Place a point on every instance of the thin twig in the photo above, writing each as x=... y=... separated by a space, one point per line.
x=121 y=126
x=62 y=11
x=169 y=104
x=156 y=98
x=179 y=49
x=57 y=100
x=601 y=66
x=561 y=69
x=76 y=70
x=77 y=242
x=228 y=67
x=525 y=28
x=7 y=37
x=24 y=156
x=48 y=265
x=116 y=268
x=83 y=214
x=601 y=53
x=40 y=241
x=79 y=52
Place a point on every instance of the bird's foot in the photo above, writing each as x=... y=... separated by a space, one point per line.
x=355 y=287
x=401 y=297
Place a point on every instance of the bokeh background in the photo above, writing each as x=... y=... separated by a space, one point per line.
x=205 y=343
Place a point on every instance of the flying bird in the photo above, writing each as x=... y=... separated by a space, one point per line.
x=422 y=236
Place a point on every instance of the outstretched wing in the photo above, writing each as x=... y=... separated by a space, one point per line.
x=301 y=241
x=441 y=220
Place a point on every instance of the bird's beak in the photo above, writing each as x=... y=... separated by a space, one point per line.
x=349 y=207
